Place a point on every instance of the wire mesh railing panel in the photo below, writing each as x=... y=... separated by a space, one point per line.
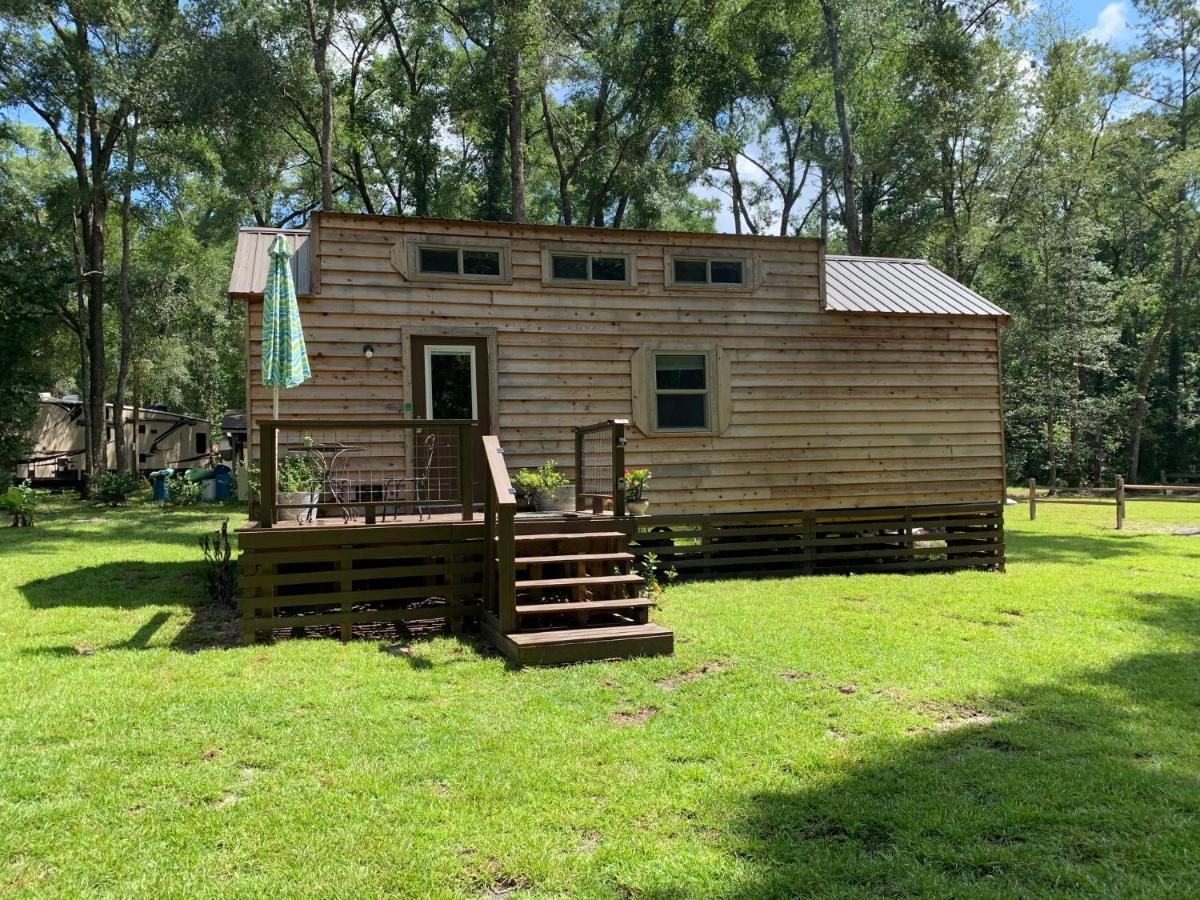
x=595 y=477
x=356 y=472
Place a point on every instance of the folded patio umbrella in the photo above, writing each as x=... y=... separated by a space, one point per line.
x=284 y=357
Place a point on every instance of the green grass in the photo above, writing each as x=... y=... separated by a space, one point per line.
x=974 y=734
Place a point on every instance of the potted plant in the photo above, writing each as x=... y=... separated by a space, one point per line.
x=297 y=484
x=546 y=488
x=635 y=486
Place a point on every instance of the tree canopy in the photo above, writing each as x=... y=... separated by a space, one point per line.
x=1054 y=174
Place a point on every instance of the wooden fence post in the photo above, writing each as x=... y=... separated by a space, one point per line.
x=1032 y=499
x=578 y=470
x=1120 y=502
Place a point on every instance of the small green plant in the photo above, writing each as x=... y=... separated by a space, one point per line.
x=114 y=488
x=541 y=483
x=220 y=568
x=184 y=491
x=296 y=474
x=635 y=481
x=19 y=501
x=653 y=575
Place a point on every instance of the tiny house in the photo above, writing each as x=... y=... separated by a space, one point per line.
x=799 y=411
x=164 y=440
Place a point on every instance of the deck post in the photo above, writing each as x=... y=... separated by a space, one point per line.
x=466 y=471
x=267 y=433
x=506 y=560
x=1032 y=499
x=578 y=470
x=1120 y=502
x=618 y=466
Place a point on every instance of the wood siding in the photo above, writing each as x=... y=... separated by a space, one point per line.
x=824 y=410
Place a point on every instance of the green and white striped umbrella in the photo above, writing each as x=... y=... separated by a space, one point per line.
x=284 y=357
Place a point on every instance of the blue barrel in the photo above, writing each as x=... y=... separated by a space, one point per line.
x=221 y=475
x=160 y=482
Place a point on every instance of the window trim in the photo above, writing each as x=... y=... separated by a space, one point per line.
x=447 y=350
x=406 y=258
x=644 y=386
x=671 y=255
x=706 y=392
x=589 y=251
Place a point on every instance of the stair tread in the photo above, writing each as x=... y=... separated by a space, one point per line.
x=588 y=635
x=579 y=580
x=576 y=557
x=571 y=536
x=530 y=609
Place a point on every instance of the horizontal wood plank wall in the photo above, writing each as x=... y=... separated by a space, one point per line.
x=828 y=410
x=350 y=576
x=908 y=539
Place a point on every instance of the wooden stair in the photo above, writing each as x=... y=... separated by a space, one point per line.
x=577 y=600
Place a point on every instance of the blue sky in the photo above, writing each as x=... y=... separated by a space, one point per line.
x=1110 y=21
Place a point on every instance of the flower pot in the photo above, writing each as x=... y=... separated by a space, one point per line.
x=308 y=498
x=637 y=507
x=561 y=499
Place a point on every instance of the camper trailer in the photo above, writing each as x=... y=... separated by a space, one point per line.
x=164 y=440
x=799 y=412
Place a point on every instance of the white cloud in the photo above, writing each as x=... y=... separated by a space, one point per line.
x=1112 y=24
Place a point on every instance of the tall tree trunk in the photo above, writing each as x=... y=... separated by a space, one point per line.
x=135 y=456
x=1143 y=386
x=320 y=31
x=126 y=308
x=516 y=142
x=849 y=202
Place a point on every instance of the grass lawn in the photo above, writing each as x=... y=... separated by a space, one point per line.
x=973 y=734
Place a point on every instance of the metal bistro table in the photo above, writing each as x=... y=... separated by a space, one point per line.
x=325 y=458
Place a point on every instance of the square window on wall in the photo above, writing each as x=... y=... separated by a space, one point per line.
x=569 y=268
x=438 y=260
x=680 y=388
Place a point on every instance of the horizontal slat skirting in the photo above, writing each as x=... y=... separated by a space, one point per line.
x=881 y=539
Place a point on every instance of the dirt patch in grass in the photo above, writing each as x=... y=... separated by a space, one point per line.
x=637 y=717
x=952 y=717
x=495 y=883
x=797 y=676
x=708 y=668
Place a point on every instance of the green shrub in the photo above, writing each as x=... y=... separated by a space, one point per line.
x=184 y=491
x=113 y=488
x=541 y=483
x=18 y=501
x=296 y=474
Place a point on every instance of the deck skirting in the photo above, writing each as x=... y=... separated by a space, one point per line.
x=345 y=575
x=887 y=539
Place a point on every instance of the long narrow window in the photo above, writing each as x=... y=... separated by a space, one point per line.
x=465 y=261
x=588 y=267
x=681 y=392
x=700 y=270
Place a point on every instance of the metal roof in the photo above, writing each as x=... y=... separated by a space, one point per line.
x=869 y=284
x=250 y=261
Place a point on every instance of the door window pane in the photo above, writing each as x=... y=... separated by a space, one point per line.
x=608 y=268
x=691 y=271
x=726 y=271
x=481 y=262
x=451 y=384
x=439 y=261
x=680 y=372
x=573 y=268
x=682 y=411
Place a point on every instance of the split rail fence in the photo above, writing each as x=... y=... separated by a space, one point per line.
x=1120 y=495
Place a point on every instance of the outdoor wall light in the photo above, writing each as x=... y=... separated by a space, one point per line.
x=368 y=351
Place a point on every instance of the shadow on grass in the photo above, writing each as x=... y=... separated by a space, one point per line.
x=137 y=523
x=1052 y=548
x=1084 y=787
x=131 y=585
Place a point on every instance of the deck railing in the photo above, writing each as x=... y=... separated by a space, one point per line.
x=600 y=466
x=500 y=530
x=364 y=470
